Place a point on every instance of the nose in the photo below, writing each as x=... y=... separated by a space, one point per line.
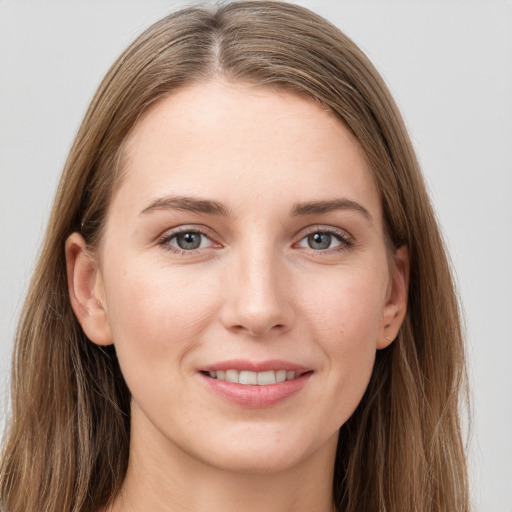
x=258 y=296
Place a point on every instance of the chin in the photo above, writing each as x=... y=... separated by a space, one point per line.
x=262 y=451
x=258 y=461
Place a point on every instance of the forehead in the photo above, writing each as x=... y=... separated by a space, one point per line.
x=240 y=141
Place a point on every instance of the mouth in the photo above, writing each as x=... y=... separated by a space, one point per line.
x=255 y=385
x=252 y=378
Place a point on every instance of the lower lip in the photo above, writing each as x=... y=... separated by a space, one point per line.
x=256 y=397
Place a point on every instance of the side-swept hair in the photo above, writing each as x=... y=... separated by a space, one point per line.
x=67 y=443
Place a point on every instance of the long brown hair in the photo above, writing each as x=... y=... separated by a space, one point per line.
x=67 y=442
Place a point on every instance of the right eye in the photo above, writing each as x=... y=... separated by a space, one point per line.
x=186 y=240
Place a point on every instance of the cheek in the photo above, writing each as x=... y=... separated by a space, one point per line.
x=347 y=306
x=156 y=315
x=345 y=322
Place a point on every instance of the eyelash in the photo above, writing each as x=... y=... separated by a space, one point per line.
x=165 y=240
x=344 y=239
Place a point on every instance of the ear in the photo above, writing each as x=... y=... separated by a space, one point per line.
x=86 y=291
x=395 y=308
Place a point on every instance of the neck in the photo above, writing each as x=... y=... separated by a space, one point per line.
x=166 y=479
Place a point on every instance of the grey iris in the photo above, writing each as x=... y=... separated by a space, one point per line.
x=319 y=240
x=189 y=241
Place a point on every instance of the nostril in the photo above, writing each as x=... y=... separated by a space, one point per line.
x=258 y=330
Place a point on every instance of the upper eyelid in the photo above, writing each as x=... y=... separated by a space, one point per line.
x=319 y=228
x=165 y=238
x=172 y=232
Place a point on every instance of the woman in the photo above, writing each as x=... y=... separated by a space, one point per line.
x=243 y=300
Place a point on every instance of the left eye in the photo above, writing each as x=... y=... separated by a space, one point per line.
x=188 y=240
x=321 y=241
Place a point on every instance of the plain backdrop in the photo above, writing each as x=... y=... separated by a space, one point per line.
x=448 y=63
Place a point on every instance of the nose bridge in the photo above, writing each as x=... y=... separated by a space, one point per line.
x=257 y=301
x=260 y=273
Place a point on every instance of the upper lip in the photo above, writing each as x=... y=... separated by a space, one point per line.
x=255 y=366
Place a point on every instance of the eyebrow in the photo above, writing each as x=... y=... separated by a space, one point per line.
x=188 y=204
x=319 y=207
x=208 y=206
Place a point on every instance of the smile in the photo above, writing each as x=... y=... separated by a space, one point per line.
x=255 y=385
x=254 y=378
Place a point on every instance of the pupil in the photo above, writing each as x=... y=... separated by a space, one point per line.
x=189 y=240
x=319 y=240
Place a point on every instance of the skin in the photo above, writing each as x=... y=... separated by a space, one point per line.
x=255 y=289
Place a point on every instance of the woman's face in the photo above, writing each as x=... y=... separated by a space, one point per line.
x=245 y=242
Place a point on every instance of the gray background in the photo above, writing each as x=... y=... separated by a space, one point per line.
x=448 y=64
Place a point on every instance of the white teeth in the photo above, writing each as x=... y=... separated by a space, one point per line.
x=265 y=378
x=232 y=375
x=246 y=377
x=253 y=378
x=281 y=375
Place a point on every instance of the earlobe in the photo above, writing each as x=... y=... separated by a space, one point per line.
x=396 y=306
x=86 y=291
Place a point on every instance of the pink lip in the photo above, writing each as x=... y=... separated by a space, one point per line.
x=255 y=366
x=251 y=396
